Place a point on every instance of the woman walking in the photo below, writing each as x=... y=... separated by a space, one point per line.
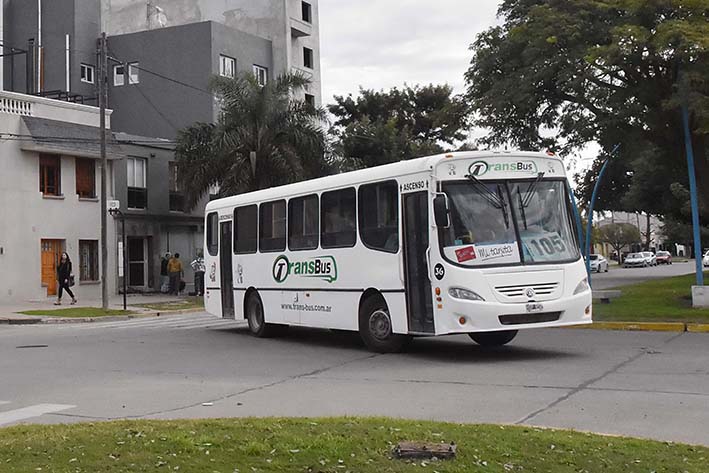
x=64 y=277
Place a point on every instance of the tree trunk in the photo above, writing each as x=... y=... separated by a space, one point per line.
x=648 y=235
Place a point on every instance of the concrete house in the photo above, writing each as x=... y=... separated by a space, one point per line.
x=49 y=186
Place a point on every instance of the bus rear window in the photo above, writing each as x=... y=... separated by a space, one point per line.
x=213 y=234
x=245 y=229
x=339 y=224
x=272 y=226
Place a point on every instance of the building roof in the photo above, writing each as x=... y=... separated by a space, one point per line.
x=58 y=137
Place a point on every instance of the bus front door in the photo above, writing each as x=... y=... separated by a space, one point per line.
x=419 y=301
x=227 y=283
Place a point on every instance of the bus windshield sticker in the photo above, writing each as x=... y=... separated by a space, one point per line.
x=545 y=246
x=319 y=267
x=495 y=253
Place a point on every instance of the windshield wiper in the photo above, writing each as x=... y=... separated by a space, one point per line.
x=521 y=208
x=496 y=200
x=530 y=190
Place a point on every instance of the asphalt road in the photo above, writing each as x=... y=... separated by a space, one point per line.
x=617 y=277
x=641 y=384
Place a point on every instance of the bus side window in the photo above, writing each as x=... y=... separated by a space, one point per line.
x=379 y=224
x=338 y=210
x=245 y=230
x=272 y=226
x=303 y=223
x=213 y=234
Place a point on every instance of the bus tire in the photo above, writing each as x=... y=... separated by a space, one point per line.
x=493 y=339
x=375 y=327
x=255 y=317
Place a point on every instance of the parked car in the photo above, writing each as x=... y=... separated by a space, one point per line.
x=598 y=263
x=663 y=257
x=635 y=260
x=650 y=257
x=705 y=260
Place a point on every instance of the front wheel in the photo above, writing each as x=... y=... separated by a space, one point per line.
x=493 y=339
x=376 y=330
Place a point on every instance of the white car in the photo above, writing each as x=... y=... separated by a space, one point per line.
x=705 y=260
x=635 y=260
x=651 y=258
x=598 y=263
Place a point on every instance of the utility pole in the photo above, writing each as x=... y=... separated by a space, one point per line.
x=102 y=99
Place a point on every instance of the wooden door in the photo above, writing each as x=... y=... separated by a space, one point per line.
x=50 y=256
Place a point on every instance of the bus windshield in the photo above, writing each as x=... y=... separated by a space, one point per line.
x=492 y=222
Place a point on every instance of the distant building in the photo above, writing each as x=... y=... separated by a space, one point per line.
x=639 y=221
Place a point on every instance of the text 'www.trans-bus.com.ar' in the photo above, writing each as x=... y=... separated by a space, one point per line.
x=307 y=307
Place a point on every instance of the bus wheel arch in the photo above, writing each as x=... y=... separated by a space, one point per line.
x=375 y=326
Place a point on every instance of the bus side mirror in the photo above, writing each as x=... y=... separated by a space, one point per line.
x=440 y=211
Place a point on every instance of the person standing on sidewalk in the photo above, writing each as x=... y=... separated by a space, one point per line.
x=65 y=279
x=174 y=269
x=164 y=275
x=199 y=270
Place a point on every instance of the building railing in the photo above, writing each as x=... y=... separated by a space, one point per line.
x=15 y=107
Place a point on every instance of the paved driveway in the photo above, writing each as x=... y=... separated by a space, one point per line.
x=642 y=384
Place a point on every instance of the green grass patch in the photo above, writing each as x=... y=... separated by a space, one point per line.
x=77 y=312
x=196 y=303
x=328 y=446
x=660 y=300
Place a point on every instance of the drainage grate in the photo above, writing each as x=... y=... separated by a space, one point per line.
x=519 y=319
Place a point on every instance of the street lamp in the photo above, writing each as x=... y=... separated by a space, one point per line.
x=116 y=213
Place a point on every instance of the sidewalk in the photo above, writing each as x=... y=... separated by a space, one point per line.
x=9 y=312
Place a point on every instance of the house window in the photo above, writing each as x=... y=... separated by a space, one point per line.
x=119 y=75
x=88 y=260
x=308 y=58
x=49 y=174
x=85 y=178
x=87 y=73
x=261 y=74
x=136 y=177
x=227 y=66
x=177 y=198
x=310 y=99
x=133 y=69
x=307 y=12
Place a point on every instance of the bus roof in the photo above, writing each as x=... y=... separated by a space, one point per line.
x=373 y=174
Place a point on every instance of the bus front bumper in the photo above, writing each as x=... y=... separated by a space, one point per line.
x=461 y=316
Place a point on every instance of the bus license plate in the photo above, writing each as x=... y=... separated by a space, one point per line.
x=534 y=307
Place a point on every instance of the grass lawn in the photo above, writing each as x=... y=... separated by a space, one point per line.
x=77 y=312
x=661 y=300
x=328 y=446
x=196 y=303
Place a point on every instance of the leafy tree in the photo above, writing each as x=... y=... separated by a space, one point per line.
x=619 y=235
x=264 y=137
x=563 y=73
x=383 y=127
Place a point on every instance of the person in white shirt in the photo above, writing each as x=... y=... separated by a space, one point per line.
x=199 y=270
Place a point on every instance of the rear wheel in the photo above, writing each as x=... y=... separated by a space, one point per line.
x=493 y=339
x=256 y=318
x=375 y=327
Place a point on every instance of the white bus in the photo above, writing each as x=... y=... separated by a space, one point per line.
x=477 y=243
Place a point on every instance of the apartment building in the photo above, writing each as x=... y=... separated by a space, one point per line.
x=49 y=186
x=163 y=55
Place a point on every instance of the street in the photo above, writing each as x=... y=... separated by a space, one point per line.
x=649 y=384
x=618 y=276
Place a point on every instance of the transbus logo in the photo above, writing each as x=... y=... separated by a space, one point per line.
x=480 y=168
x=320 y=267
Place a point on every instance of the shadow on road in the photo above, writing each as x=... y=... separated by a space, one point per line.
x=453 y=349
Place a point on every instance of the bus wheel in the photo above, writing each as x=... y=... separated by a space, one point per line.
x=255 y=317
x=493 y=339
x=375 y=327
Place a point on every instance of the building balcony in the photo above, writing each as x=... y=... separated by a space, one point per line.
x=300 y=28
x=13 y=103
x=303 y=71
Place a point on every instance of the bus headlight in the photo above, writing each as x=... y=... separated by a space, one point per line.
x=465 y=294
x=582 y=287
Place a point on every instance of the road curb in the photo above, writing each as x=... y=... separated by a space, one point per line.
x=637 y=326
x=33 y=320
x=698 y=328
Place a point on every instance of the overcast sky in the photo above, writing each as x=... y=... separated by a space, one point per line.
x=380 y=44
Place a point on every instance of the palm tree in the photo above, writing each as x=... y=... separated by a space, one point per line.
x=263 y=137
